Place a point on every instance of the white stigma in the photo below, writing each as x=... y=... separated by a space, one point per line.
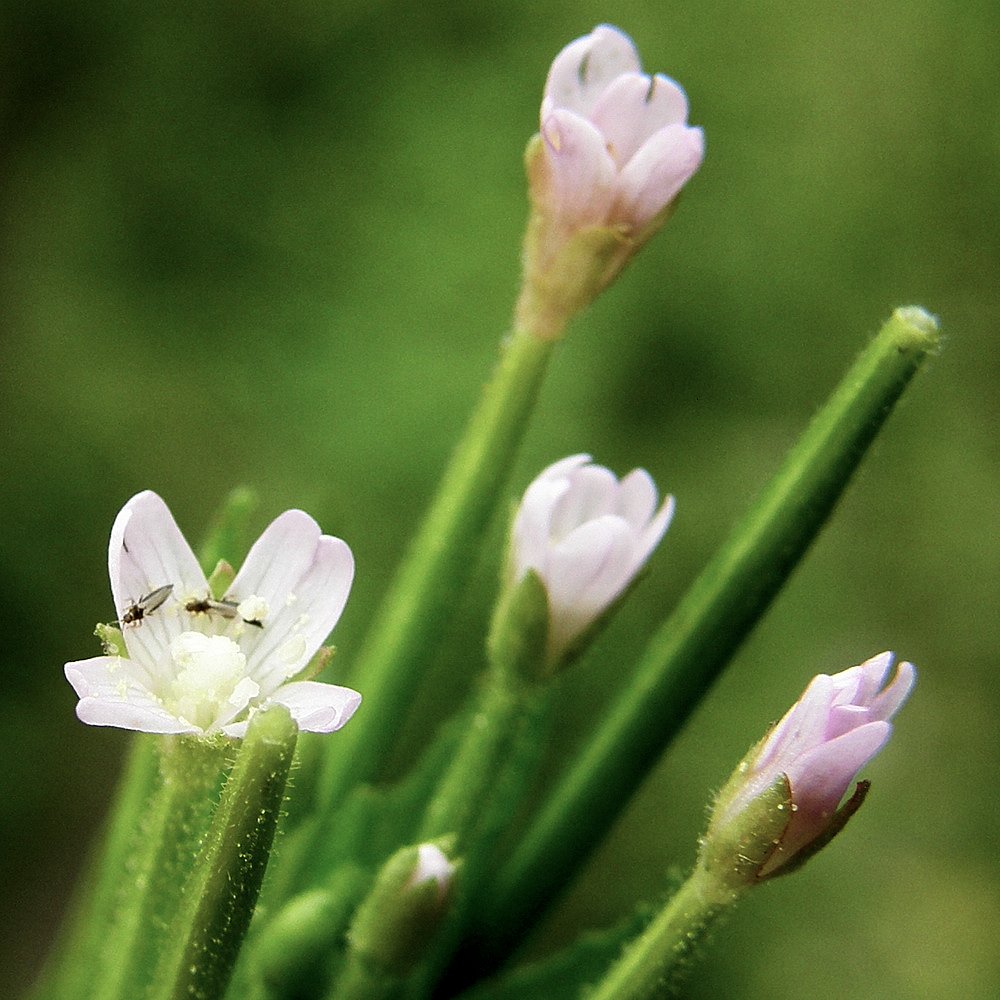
x=210 y=680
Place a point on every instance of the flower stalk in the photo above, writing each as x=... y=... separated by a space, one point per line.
x=413 y=615
x=204 y=939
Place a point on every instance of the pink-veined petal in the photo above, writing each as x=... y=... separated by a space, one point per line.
x=654 y=176
x=147 y=551
x=581 y=173
x=305 y=578
x=633 y=109
x=111 y=695
x=584 y=68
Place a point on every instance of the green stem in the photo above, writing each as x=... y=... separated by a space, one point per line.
x=204 y=937
x=173 y=831
x=74 y=967
x=467 y=785
x=651 y=965
x=695 y=643
x=416 y=609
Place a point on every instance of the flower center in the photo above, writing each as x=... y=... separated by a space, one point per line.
x=210 y=685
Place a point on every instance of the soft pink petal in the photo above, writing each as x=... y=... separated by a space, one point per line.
x=802 y=727
x=581 y=173
x=592 y=493
x=654 y=176
x=531 y=531
x=635 y=107
x=316 y=707
x=581 y=72
x=874 y=672
x=889 y=702
x=587 y=570
x=305 y=577
x=637 y=497
x=146 y=552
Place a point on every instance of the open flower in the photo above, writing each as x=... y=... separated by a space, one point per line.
x=836 y=727
x=202 y=666
x=613 y=151
x=585 y=535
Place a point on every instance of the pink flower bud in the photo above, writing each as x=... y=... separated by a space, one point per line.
x=618 y=149
x=613 y=151
x=838 y=725
x=585 y=535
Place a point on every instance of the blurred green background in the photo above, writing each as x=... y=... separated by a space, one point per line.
x=276 y=244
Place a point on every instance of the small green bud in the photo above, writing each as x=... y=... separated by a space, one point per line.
x=407 y=904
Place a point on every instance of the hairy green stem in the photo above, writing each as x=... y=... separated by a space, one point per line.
x=205 y=934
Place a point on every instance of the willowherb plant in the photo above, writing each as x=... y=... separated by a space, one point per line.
x=420 y=887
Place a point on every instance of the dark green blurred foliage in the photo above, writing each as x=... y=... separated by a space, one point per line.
x=277 y=244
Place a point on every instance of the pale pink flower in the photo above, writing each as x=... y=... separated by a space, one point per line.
x=838 y=725
x=200 y=666
x=618 y=148
x=586 y=535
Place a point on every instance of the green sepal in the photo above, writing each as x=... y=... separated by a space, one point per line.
x=735 y=852
x=836 y=823
x=204 y=937
x=520 y=629
x=112 y=640
x=563 y=271
x=564 y=976
x=399 y=917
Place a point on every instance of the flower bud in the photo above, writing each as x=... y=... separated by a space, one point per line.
x=404 y=909
x=578 y=540
x=612 y=154
x=838 y=725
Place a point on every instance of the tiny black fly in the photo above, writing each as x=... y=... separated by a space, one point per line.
x=224 y=608
x=138 y=610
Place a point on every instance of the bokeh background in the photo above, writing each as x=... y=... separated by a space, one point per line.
x=276 y=244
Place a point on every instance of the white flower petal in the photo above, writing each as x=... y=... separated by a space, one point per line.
x=147 y=551
x=592 y=493
x=584 y=68
x=586 y=571
x=316 y=707
x=581 y=173
x=654 y=176
x=633 y=108
x=111 y=695
x=637 y=496
x=305 y=578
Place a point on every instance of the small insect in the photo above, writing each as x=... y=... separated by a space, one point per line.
x=225 y=608
x=138 y=610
